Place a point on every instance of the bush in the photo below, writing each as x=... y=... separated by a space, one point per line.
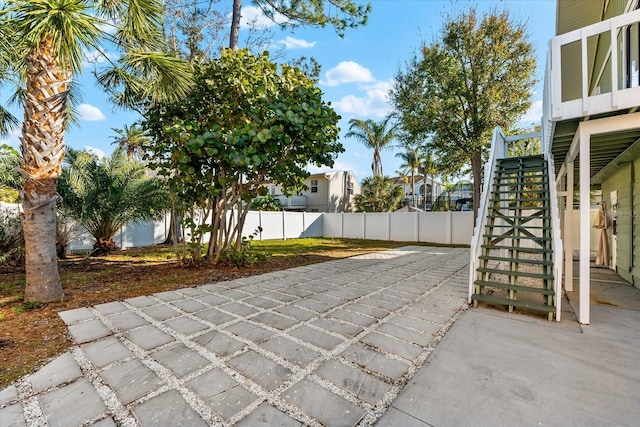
x=11 y=240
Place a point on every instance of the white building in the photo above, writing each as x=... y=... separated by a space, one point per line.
x=330 y=192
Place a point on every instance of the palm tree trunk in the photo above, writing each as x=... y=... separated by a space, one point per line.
x=235 y=24
x=43 y=148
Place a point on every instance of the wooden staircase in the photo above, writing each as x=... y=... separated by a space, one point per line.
x=515 y=268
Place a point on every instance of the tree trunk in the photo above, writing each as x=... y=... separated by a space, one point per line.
x=476 y=169
x=235 y=24
x=43 y=148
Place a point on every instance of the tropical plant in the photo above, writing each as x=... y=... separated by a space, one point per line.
x=10 y=179
x=131 y=139
x=266 y=203
x=412 y=160
x=104 y=195
x=247 y=122
x=379 y=194
x=50 y=37
x=11 y=239
x=479 y=75
x=428 y=168
x=374 y=135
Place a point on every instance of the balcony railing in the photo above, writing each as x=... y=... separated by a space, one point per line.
x=587 y=74
x=292 y=202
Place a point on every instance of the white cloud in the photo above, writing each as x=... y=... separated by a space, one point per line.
x=293 y=43
x=533 y=114
x=375 y=101
x=348 y=72
x=90 y=113
x=252 y=16
x=94 y=57
x=93 y=150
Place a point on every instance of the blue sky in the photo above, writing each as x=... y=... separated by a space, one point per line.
x=357 y=70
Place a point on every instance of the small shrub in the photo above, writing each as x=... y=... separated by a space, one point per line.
x=11 y=240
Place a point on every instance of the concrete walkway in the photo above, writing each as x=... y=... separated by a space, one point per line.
x=327 y=344
x=499 y=369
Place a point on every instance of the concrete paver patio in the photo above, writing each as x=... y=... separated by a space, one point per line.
x=325 y=344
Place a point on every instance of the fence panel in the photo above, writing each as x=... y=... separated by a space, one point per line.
x=272 y=225
x=312 y=224
x=376 y=226
x=293 y=224
x=353 y=225
x=435 y=227
x=403 y=226
x=332 y=225
x=461 y=228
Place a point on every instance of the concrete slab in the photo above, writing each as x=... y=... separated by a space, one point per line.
x=61 y=370
x=541 y=375
x=88 y=331
x=258 y=368
x=315 y=401
x=230 y=402
x=181 y=360
x=61 y=407
x=131 y=380
x=267 y=415
x=12 y=416
x=169 y=409
x=317 y=338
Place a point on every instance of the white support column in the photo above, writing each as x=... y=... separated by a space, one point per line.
x=585 y=224
x=568 y=230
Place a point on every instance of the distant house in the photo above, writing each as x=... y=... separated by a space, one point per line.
x=422 y=188
x=331 y=192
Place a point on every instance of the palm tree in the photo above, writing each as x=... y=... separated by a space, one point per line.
x=103 y=195
x=374 y=135
x=51 y=36
x=131 y=140
x=412 y=161
x=429 y=168
x=378 y=194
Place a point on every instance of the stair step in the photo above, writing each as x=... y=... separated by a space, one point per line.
x=518 y=227
x=540 y=190
x=519 y=288
x=521 y=237
x=517 y=248
x=515 y=273
x=544 y=263
x=515 y=303
x=521 y=199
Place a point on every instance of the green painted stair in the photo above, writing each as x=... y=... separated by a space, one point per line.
x=515 y=269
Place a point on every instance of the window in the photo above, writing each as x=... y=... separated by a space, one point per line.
x=350 y=188
x=314 y=185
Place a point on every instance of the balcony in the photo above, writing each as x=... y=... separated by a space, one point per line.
x=292 y=202
x=589 y=75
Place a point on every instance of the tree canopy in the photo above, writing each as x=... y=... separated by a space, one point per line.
x=478 y=74
x=341 y=14
x=247 y=122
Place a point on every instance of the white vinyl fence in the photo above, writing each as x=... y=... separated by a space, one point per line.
x=431 y=227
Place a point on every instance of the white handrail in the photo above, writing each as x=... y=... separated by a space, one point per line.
x=555 y=236
x=498 y=151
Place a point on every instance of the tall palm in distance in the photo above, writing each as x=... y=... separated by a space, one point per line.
x=377 y=136
x=412 y=159
x=50 y=37
x=131 y=139
x=428 y=167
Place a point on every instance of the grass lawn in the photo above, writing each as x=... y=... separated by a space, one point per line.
x=32 y=334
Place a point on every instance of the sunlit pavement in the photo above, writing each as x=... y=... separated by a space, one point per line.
x=326 y=344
